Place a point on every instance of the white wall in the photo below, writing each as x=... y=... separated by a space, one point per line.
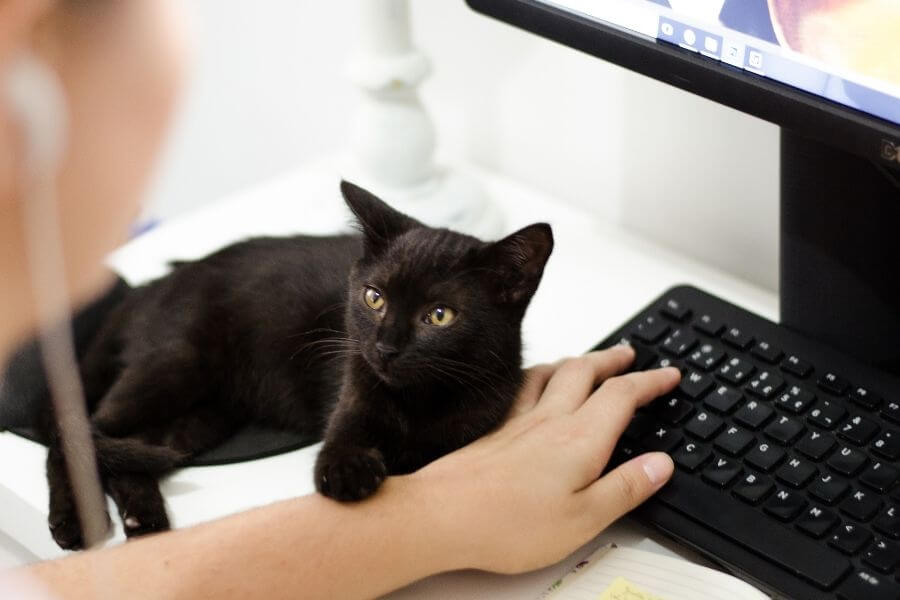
x=269 y=94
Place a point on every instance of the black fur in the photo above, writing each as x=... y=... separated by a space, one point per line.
x=277 y=331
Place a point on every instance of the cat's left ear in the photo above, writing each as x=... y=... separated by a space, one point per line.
x=517 y=262
x=379 y=222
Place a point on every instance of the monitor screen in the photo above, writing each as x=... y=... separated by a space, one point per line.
x=845 y=51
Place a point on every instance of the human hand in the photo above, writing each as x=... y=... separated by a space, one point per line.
x=528 y=494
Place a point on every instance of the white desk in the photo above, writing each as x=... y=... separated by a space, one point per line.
x=598 y=276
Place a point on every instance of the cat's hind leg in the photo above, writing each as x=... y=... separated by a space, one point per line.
x=137 y=495
x=199 y=430
x=140 y=503
x=150 y=393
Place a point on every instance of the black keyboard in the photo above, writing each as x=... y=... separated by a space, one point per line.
x=786 y=450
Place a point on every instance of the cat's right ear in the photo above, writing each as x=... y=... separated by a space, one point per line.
x=516 y=263
x=378 y=222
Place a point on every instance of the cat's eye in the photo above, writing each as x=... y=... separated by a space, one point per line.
x=440 y=316
x=373 y=298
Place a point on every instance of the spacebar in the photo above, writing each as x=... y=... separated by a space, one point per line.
x=754 y=531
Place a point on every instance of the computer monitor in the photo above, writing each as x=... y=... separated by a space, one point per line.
x=828 y=73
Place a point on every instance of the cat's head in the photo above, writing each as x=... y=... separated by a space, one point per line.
x=430 y=305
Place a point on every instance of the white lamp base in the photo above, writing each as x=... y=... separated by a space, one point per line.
x=392 y=139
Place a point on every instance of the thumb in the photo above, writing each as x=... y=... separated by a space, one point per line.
x=630 y=484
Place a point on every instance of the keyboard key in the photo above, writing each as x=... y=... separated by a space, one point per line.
x=887 y=445
x=815 y=444
x=674 y=309
x=721 y=471
x=735 y=370
x=880 y=477
x=796 y=472
x=742 y=525
x=816 y=522
x=734 y=441
x=753 y=414
x=888 y=522
x=666 y=361
x=738 y=338
x=827 y=414
x=753 y=488
x=796 y=399
x=883 y=555
x=706 y=356
x=639 y=426
x=864 y=585
x=709 y=325
x=673 y=409
x=650 y=330
x=661 y=439
x=861 y=505
x=704 y=425
x=847 y=461
x=865 y=398
x=695 y=384
x=678 y=343
x=765 y=384
x=785 y=505
x=623 y=452
x=891 y=412
x=850 y=538
x=858 y=430
x=767 y=352
x=764 y=456
x=784 y=429
x=796 y=366
x=828 y=488
x=834 y=384
x=643 y=357
x=691 y=456
x=723 y=399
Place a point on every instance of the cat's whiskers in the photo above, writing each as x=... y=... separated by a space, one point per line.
x=318 y=330
x=476 y=387
x=468 y=376
x=502 y=362
x=483 y=374
x=331 y=344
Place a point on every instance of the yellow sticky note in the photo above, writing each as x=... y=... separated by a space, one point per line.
x=622 y=589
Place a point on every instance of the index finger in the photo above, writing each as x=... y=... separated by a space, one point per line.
x=574 y=380
x=610 y=408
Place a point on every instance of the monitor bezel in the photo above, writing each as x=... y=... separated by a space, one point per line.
x=814 y=117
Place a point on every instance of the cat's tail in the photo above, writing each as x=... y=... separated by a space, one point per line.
x=130 y=455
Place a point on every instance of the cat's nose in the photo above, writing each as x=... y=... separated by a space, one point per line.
x=386 y=351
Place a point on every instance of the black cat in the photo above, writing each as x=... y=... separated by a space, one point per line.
x=400 y=345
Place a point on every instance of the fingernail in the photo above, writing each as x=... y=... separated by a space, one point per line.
x=658 y=466
x=625 y=349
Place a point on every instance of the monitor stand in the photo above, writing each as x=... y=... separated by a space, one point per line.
x=840 y=250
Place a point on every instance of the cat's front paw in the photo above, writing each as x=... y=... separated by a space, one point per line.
x=350 y=473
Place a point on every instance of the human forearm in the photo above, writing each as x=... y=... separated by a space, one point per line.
x=311 y=547
x=517 y=499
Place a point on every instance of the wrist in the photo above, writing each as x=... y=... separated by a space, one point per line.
x=436 y=517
